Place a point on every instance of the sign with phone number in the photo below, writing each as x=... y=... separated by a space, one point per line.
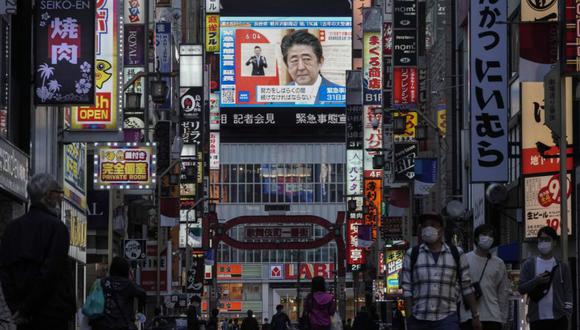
x=542 y=203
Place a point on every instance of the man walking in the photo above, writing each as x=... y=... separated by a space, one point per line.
x=280 y=320
x=490 y=283
x=548 y=283
x=34 y=266
x=432 y=273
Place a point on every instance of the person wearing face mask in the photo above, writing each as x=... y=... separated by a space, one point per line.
x=488 y=273
x=548 y=284
x=434 y=276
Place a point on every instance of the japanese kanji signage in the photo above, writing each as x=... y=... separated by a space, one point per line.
x=534 y=131
x=212 y=33
x=354 y=254
x=387 y=38
x=129 y=166
x=394 y=264
x=372 y=68
x=278 y=233
x=214 y=150
x=102 y=114
x=64 y=61
x=134 y=118
x=214 y=111
x=373 y=191
x=404 y=86
x=163 y=51
x=8 y=7
x=75 y=176
x=190 y=104
x=542 y=203
x=489 y=91
x=571 y=36
x=354 y=127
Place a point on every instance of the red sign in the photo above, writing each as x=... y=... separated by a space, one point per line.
x=276 y=272
x=308 y=271
x=373 y=190
x=404 y=86
x=149 y=271
x=354 y=254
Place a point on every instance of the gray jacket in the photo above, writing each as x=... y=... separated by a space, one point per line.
x=561 y=285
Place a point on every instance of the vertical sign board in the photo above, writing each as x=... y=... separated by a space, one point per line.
x=163 y=51
x=214 y=112
x=64 y=42
x=571 y=36
x=103 y=114
x=489 y=91
x=75 y=176
x=354 y=254
x=8 y=7
x=76 y=222
x=134 y=45
x=373 y=190
x=212 y=6
x=212 y=33
x=404 y=86
x=135 y=11
x=214 y=150
x=543 y=11
x=542 y=198
x=354 y=175
x=191 y=104
x=534 y=131
x=134 y=118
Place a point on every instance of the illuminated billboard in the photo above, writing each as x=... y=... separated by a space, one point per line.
x=130 y=166
x=284 y=61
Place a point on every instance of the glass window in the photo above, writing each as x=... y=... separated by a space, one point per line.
x=233 y=173
x=258 y=193
x=340 y=190
x=225 y=173
x=340 y=173
x=242 y=173
x=252 y=292
x=324 y=253
x=234 y=193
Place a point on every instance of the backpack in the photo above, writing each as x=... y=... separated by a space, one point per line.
x=454 y=253
x=94 y=306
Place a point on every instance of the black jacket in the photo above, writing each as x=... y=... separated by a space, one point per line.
x=35 y=269
x=119 y=294
x=250 y=323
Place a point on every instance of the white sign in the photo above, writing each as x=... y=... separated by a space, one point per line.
x=214 y=112
x=195 y=234
x=276 y=272
x=542 y=203
x=212 y=6
x=354 y=175
x=135 y=249
x=214 y=150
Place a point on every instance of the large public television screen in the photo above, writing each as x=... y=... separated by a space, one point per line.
x=284 y=62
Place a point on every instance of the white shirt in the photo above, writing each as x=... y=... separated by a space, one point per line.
x=493 y=304
x=546 y=304
x=312 y=91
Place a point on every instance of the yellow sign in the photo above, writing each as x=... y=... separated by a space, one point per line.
x=75 y=174
x=212 y=33
x=411 y=123
x=125 y=167
x=442 y=121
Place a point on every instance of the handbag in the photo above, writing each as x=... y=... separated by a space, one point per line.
x=95 y=304
x=541 y=290
x=335 y=322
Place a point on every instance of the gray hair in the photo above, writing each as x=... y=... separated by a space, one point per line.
x=39 y=185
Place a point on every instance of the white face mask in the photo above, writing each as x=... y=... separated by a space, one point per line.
x=485 y=242
x=429 y=234
x=545 y=247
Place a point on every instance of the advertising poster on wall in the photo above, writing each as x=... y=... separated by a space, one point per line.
x=260 y=61
x=64 y=49
x=102 y=116
x=536 y=134
x=394 y=264
x=75 y=176
x=76 y=222
x=130 y=167
x=542 y=203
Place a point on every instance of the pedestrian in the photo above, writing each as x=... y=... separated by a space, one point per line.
x=194 y=313
x=490 y=282
x=364 y=321
x=432 y=273
x=212 y=323
x=119 y=292
x=548 y=283
x=348 y=324
x=236 y=325
x=35 y=270
x=266 y=324
x=250 y=322
x=319 y=306
x=280 y=320
x=224 y=324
